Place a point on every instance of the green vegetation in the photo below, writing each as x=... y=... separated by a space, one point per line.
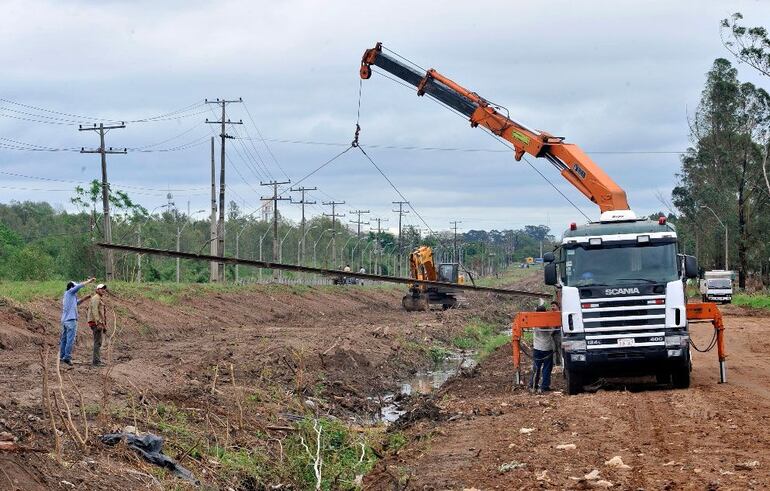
x=508 y=276
x=438 y=354
x=755 y=300
x=720 y=181
x=345 y=453
x=167 y=293
x=482 y=336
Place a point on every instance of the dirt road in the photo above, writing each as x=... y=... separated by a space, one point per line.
x=711 y=436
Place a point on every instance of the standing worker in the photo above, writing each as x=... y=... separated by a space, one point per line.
x=542 y=357
x=69 y=320
x=97 y=321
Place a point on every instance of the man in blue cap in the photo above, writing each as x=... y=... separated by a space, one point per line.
x=69 y=319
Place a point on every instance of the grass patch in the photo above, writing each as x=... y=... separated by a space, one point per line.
x=755 y=300
x=482 y=336
x=508 y=276
x=168 y=293
x=438 y=354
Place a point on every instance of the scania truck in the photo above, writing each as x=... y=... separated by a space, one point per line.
x=619 y=280
x=622 y=301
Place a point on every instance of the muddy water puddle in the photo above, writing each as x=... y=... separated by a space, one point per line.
x=425 y=382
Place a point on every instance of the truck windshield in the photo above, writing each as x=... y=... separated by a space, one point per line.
x=720 y=283
x=626 y=264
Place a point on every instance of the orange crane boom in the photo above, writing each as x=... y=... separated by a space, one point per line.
x=568 y=158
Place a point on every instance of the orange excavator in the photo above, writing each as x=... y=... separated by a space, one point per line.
x=421 y=296
x=619 y=280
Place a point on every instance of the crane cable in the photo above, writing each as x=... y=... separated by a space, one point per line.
x=355 y=143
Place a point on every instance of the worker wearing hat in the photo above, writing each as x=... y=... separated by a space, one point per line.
x=97 y=320
x=69 y=319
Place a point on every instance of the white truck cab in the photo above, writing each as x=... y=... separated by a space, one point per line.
x=622 y=300
x=717 y=286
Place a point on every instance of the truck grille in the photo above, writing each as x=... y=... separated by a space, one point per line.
x=624 y=322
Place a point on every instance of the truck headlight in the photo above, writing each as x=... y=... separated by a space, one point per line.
x=573 y=345
x=673 y=353
x=677 y=341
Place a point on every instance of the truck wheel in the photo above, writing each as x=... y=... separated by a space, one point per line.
x=663 y=378
x=574 y=382
x=680 y=376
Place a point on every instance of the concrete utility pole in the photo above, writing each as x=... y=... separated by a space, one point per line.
x=221 y=222
x=214 y=273
x=358 y=221
x=455 y=257
x=334 y=215
x=401 y=212
x=377 y=241
x=109 y=256
x=275 y=199
x=303 y=202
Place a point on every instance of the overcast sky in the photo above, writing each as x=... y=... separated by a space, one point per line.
x=613 y=77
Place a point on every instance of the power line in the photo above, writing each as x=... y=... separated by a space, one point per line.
x=272 y=155
x=81 y=118
x=460 y=149
x=27 y=176
x=395 y=188
x=307 y=176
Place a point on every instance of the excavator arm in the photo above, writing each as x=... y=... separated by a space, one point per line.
x=421 y=266
x=568 y=158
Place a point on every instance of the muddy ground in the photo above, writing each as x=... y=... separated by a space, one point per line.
x=490 y=436
x=237 y=368
x=335 y=352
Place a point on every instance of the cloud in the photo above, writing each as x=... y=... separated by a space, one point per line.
x=607 y=76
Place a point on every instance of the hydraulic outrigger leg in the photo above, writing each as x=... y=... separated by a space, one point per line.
x=710 y=311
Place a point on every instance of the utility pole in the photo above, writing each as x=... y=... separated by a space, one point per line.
x=454 y=224
x=334 y=215
x=302 y=202
x=358 y=221
x=379 y=224
x=214 y=273
x=221 y=222
x=109 y=256
x=275 y=199
x=401 y=212
x=378 y=252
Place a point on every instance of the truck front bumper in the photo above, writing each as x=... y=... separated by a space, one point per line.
x=627 y=361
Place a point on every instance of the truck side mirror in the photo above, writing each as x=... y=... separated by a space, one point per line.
x=690 y=267
x=550 y=274
x=548 y=257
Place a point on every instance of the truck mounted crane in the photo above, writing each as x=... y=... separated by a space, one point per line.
x=619 y=281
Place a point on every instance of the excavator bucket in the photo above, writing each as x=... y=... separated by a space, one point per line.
x=415 y=304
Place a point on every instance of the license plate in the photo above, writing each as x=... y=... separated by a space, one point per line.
x=626 y=342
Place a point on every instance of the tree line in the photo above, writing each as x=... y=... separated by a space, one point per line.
x=723 y=185
x=39 y=242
